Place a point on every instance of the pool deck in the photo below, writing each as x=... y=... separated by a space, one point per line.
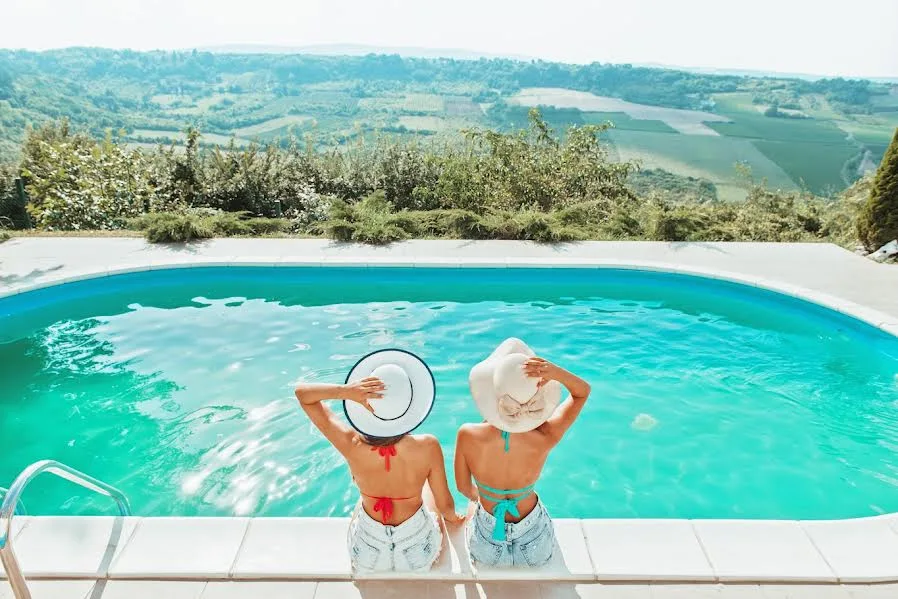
x=217 y=558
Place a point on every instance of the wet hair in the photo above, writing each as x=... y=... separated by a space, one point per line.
x=382 y=441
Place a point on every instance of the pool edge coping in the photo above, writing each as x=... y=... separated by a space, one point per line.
x=665 y=551
x=870 y=316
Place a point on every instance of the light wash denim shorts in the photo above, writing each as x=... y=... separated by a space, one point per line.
x=529 y=542
x=411 y=546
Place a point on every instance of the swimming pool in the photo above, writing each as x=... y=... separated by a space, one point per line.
x=710 y=399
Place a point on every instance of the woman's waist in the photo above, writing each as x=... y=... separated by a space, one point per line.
x=522 y=504
x=392 y=511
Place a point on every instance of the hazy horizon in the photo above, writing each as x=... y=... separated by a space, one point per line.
x=792 y=37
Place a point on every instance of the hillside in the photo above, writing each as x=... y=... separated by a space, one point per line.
x=795 y=133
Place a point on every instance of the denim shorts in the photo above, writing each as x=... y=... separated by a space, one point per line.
x=413 y=545
x=529 y=542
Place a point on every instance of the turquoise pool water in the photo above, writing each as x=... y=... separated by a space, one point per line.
x=709 y=399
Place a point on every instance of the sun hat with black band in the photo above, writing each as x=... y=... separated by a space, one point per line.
x=408 y=397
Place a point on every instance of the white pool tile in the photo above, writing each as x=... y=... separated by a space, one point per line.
x=372 y=589
x=181 y=548
x=150 y=589
x=761 y=550
x=53 y=589
x=72 y=547
x=694 y=591
x=294 y=548
x=259 y=590
x=646 y=550
x=873 y=591
x=570 y=561
x=804 y=591
x=450 y=590
x=506 y=590
x=598 y=591
x=859 y=550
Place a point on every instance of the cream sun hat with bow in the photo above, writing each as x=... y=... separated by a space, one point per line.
x=506 y=397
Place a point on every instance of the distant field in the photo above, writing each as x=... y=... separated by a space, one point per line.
x=811 y=151
x=180 y=136
x=623 y=121
x=461 y=106
x=422 y=103
x=690 y=122
x=562 y=118
x=165 y=99
x=423 y=123
x=273 y=125
x=712 y=158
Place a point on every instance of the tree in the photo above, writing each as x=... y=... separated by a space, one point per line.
x=878 y=222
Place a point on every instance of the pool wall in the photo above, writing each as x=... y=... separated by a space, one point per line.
x=863 y=550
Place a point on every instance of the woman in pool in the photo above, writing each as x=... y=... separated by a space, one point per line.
x=402 y=477
x=497 y=462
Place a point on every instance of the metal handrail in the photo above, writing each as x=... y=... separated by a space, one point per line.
x=11 y=501
x=20 y=506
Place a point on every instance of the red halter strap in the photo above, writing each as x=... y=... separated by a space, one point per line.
x=386 y=453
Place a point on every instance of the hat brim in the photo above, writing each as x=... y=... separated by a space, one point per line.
x=486 y=398
x=423 y=388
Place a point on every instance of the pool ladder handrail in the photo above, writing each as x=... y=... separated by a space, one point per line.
x=9 y=509
x=20 y=506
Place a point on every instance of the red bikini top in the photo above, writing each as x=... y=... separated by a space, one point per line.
x=384 y=505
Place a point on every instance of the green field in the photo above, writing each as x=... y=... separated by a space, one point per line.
x=179 y=136
x=273 y=125
x=625 y=122
x=812 y=152
x=712 y=158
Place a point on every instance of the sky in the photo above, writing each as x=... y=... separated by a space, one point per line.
x=824 y=37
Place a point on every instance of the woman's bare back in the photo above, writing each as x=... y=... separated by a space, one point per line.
x=410 y=468
x=483 y=449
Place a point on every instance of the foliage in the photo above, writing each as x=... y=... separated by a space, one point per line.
x=878 y=223
x=193 y=224
x=4 y=235
x=12 y=210
x=530 y=184
x=647 y=181
x=75 y=182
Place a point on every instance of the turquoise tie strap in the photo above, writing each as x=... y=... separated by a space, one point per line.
x=507 y=436
x=504 y=505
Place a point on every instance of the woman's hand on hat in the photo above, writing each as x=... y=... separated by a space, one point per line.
x=364 y=390
x=541 y=369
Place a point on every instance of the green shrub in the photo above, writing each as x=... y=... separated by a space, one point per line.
x=227 y=224
x=4 y=235
x=267 y=226
x=878 y=222
x=171 y=227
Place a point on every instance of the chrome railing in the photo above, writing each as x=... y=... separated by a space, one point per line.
x=9 y=508
x=20 y=507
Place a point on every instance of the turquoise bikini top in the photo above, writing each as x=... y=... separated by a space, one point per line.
x=504 y=505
